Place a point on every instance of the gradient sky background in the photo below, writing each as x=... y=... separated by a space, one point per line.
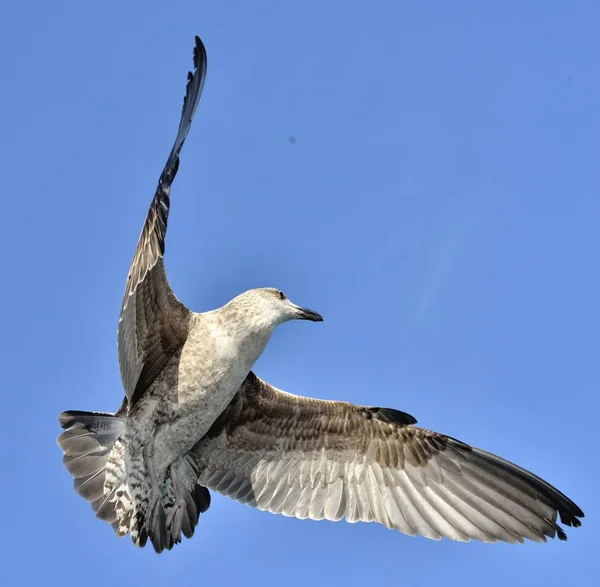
x=423 y=173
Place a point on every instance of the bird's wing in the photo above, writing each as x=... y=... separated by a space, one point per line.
x=317 y=459
x=153 y=323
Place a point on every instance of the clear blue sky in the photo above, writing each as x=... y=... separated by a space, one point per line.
x=439 y=206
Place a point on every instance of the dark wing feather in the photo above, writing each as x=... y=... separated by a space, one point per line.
x=153 y=323
x=318 y=459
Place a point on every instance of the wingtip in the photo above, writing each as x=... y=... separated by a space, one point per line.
x=199 y=52
x=571 y=518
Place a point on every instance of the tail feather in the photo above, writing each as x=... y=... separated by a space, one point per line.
x=90 y=488
x=94 y=447
x=87 y=442
x=86 y=433
x=85 y=465
x=105 y=509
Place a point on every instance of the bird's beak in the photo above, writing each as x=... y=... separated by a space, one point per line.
x=306 y=314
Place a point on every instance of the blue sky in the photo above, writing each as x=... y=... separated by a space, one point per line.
x=438 y=204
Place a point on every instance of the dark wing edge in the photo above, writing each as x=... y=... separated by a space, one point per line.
x=153 y=322
x=319 y=459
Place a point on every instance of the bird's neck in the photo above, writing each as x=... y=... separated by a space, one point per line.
x=251 y=338
x=245 y=337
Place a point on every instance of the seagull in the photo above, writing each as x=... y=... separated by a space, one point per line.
x=180 y=370
x=196 y=418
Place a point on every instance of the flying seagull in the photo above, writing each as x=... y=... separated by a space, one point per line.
x=196 y=418
x=180 y=370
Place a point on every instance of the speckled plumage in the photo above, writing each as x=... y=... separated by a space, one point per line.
x=195 y=417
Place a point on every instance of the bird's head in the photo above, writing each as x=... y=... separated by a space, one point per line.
x=269 y=307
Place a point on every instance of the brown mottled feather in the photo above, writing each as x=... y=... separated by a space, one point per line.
x=153 y=324
x=324 y=459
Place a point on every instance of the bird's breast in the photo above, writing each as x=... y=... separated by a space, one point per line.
x=211 y=369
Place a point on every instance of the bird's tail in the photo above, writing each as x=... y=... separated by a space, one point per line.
x=95 y=447
x=88 y=440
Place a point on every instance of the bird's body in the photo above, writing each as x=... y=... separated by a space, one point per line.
x=195 y=417
x=197 y=384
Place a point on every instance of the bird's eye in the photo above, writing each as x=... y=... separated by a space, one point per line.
x=281 y=295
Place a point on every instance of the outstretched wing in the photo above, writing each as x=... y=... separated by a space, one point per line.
x=153 y=323
x=330 y=460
